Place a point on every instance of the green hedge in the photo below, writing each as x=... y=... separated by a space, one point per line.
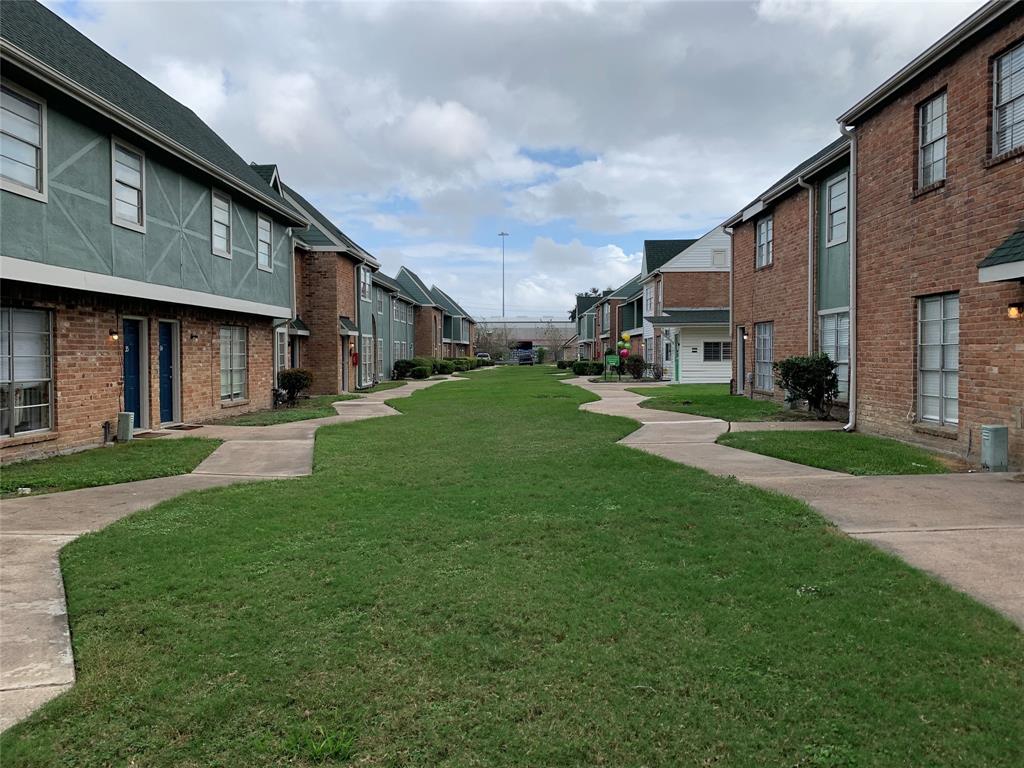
x=587 y=368
x=420 y=372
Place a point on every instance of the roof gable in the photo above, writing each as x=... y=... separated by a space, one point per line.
x=325 y=226
x=415 y=287
x=658 y=252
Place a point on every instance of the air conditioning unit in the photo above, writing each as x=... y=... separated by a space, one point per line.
x=995 y=447
x=125 y=426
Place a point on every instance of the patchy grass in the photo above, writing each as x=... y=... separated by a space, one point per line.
x=712 y=400
x=853 y=453
x=140 y=459
x=382 y=387
x=453 y=602
x=317 y=407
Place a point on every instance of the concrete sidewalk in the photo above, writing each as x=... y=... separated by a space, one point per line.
x=966 y=529
x=36 y=663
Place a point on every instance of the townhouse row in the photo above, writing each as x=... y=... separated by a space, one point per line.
x=146 y=268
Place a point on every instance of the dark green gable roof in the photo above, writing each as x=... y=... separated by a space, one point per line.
x=585 y=303
x=658 y=252
x=1009 y=251
x=441 y=299
x=44 y=36
x=626 y=290
x=415 y=287
x=458 y=310
x=325 y=226
x=691 y=317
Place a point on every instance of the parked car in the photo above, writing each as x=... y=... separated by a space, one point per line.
x=483 y=355
x=525 y=357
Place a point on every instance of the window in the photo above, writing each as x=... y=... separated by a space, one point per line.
x=127 y=198
x=26 y=370
x=834 y=341
x=365 y=284
x=648 y=300
x=717 y=351
x=366 y=360
x=405 y=350
x=380 y=302
x=380 y=358
x=668 y=351
x=932 y=159
x=765 y=233
x=938 y=358
x=837 y=192
x=22 y=143
x=718 y=257
x=396 y=310
x=221 y=225
x=1008 y=120
x=232 y=363
x=281 y=350
x=465 y=330
x=264 y=247
x=661 y=295
x=763 y=379
x=606 y=316
x=396 y=350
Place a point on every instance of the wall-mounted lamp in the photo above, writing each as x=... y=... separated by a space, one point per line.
x=113 y=334
x=193 y=336
x=746 y=337
x=1015 y=311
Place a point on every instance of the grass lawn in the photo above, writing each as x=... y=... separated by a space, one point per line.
x=121 y=463
x=712 y=400
x=311 y=408
x=382 y=387
x=853 y=453
x=491 y=588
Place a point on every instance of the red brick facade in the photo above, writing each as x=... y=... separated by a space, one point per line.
x=87 y=367
x=428 y=331
x=696 y=289
x=913 y=244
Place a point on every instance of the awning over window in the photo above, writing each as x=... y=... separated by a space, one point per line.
x=1006 y=262
x=346 y=327
x=677 y=317
x=295 y=327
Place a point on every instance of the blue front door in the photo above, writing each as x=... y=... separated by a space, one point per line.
x=166 y=372
x=132 y=373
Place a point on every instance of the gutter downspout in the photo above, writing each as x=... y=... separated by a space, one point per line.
x=851 y=425
x=732 y=330
x=810 y=263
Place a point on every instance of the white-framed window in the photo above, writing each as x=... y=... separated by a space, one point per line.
x=938 y=358
x=1008 y=107
x=717 y=351
x=233 y=363
x=648 y=300
x=661 y=295
x=396 y=350
x=465 y=329
x=834 y=341
x=765 y=236
x=380 y=358
x=931 y=159
x=719 y=257
x=396 y=310
x=380 y=302
x=280 y=350
x=22 y=142
x=837 y=194
x=366 y=366
x=405 y=350
x=763 y=357
x=26 y=371
x=220 y=205
x=648 y=350
x=365 y=284
x=264 y=243
x=128 y=186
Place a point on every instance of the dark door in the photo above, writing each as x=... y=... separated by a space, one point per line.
x=132 y=372
x=166 y=372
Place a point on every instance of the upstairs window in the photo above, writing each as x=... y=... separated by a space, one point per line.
x=765 y=232
x=648 y=299
x=1008 y=120
x=396 y=309
x=838 y=195
x=365 y=284
x=264 y=247
x=932 y=159
x=380 y=302
x=221 y=232
x=128 y=200
x=22 y=143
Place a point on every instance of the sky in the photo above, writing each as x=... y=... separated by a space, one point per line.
x=425 y=128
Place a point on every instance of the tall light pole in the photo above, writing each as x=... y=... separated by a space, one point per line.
x=503 y=235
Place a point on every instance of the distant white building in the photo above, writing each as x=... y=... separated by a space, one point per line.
x=552 y=333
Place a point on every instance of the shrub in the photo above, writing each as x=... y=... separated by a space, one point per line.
x=420 y=372
x=542 y=354
x=635 y=366
x=293 y=381
x=444 y=367
x=563 y=364
x=587 y=368
x=811 y=378
x=403 y=367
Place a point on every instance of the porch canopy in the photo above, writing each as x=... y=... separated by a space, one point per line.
x=674 y=318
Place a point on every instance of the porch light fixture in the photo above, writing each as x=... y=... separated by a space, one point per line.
x=193 y=336
x=113 y=334
x=1015 y=311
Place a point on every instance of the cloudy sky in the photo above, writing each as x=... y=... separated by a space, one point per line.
x=425 y=128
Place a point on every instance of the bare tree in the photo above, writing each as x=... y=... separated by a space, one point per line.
x=492 y=338
x=555 y=338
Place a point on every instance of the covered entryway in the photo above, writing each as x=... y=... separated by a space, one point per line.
x=134 y=369
x=168 y=373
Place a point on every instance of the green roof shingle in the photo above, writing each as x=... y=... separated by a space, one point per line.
x=1009 y=251
x=658 y=252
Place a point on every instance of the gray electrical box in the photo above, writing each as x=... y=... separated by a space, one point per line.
x=995 y=447
x=125 y=426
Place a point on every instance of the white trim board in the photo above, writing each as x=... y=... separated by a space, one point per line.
x=65 y=277
x=1013 y=270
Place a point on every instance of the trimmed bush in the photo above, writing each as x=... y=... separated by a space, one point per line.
x=444 y=367
x=420 y=372
x=587 y=368
x=811 y=378
x=403 y=368
x=635 y=366
x=293 y=381
x=563 y=364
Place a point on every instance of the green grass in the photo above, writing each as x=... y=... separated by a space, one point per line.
x=438 y=594
x=317 y=407
x=711 y=400
x=853 y=453
x=139 y=459
x=382 y=387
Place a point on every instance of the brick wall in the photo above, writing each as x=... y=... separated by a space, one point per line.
x=427 y=336
x=912 y=245
x=776 y=293
x=697 y=289
x=87 y=366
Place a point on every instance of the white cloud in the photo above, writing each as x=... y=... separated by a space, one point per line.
x=201 y=86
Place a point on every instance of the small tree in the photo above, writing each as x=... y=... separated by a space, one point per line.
x=293 y=381
x=542 y=354
x=811 y=378
x=635 y=366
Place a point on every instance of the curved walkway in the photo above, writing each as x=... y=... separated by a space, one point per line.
x=967 y=529
x=36 y=662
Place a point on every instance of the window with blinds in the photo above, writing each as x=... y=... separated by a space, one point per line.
x=264 y=243
x=233 y=359
x=763 y=357
x=932 y=157
x=1008 y=117
x=938 y=359
x=22 y=143
x=221 y=227
x=834 y=341
x=127 y=193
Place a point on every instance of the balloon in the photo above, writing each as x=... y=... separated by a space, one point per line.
x=624 y=353
x=625 y=337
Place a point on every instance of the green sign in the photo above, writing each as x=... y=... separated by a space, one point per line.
x=611 y=361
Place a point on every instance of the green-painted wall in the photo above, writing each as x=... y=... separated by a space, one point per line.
x=73 y=228
x=833 y=262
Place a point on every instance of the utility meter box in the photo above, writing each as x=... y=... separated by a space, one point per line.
x=125 y=426
x=995 y=447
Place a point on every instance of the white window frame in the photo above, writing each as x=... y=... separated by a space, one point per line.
x=945 y=370
x=648 y=299
x=606 y=315
x=380 y=301
x=366 y=361
x=40 y=191
x=233 y=331
x=1014 y=105
x=764 y=342
x=7 y=350
x=405 y=350
x=764 y=241
x=925 y=119
x=260 y=218
x=379 y=367
x=214 y=194
x=661 y=295
x=280 y=351
x=395 y=306
x=719 y=257
x=396 y=350
x=365 y=284
x=115 y=144
x=830 y=324
x=831 y=213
